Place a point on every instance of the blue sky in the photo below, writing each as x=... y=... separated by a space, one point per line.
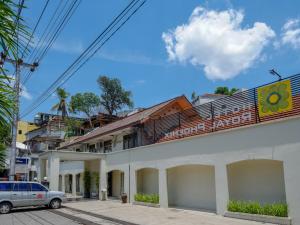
x=259 y=35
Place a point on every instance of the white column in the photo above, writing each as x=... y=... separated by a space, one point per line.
x=53 y=171
x=126 y=182
x=74 y=184
x=163 y=188
x=222 y=194
x=63 y=187
x=291 y=167
x=41 y=169
x=132 y=184
x=103 y=177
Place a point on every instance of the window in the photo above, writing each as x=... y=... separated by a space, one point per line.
x=21 y=187
x=37 y=187
x=20 y=131
x=92 y=148
x=130 y=141
x=5 y=186
x=107 y=146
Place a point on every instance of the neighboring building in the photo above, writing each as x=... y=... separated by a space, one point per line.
x=203 y=99
x=23 y=128
x=23 y=162
x=240 y=147
x=98 y=121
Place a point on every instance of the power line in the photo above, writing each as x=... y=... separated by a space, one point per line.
x=51 y=38
x=68 y=73
x=35 y=27
x=89 y=48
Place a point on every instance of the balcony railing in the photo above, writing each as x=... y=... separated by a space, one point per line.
x=269 y=102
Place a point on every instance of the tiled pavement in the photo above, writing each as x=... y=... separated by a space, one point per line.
x=143 y=215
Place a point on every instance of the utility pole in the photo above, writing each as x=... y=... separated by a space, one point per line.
x=18 y=65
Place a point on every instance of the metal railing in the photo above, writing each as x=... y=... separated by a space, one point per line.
x=276 y=100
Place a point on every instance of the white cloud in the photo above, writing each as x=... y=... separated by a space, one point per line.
x=129 y=57
x=23 y=90
x=216 y=41
x=24 y=93
x=71 y=47
x=140 y=82
x=291 y=33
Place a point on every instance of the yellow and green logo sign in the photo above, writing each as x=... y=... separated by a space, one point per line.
x=275 y=98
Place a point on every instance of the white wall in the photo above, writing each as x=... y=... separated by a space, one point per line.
x=192 y=187
x=147 y=181
x=256 y=180
x=275 y=140
x=70 y=167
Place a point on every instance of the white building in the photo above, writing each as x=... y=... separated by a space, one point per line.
x=191 y=158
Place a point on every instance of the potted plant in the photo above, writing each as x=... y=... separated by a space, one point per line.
x=124 y=197
x=87 y=184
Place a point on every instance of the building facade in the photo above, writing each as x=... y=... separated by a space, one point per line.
x=241 y=147
x=23 y=128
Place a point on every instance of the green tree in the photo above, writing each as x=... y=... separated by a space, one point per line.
x=113 y=97
x=5 y=139
x=193 y=96
x=11 y=27
x=225 y=90
x=87 y=103
x=62 y=105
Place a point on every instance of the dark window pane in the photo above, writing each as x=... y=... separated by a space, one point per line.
x=15 y=187
x=24 y=187
x=37 y=187
x=5 y=186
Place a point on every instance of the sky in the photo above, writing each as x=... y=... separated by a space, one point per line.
x=171 y=47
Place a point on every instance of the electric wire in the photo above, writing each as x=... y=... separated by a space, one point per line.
x=68 y=73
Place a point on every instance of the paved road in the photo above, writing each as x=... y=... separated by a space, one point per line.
x=36 y=216
x=63 y=216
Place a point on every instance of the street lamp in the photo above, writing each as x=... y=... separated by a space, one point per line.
x=273 y=72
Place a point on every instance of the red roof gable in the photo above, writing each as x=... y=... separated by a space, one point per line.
x=133 y=119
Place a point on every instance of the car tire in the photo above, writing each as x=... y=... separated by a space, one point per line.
x=55 y=203
x=5 y=207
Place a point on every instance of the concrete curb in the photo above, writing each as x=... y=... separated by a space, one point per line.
x=146 y=204
x=260 y=218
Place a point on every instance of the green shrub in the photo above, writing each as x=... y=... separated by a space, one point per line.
x=153 y=198
x=252 y=207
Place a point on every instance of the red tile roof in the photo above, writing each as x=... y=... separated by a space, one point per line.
x=133 y=119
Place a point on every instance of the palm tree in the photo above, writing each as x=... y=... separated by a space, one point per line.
x=62 y=105
x=11 y=27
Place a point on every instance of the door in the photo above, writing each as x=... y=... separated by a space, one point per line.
x=109 y=184
x=38 y=194
x=19 y=194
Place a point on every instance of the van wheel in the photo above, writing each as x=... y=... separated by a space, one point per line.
x=55 y=204
x=5 y=207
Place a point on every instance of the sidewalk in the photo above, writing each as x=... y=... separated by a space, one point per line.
x=154 y=216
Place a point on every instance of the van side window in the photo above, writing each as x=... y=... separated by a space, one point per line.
x=37 y=187
x=21 y=187
x=5 y=186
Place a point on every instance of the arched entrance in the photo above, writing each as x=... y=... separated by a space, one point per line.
x=256 y=180
x=192 y=186
x=147 y=181
x=115 y=183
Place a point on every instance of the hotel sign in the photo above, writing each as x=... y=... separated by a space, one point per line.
x=225 y=118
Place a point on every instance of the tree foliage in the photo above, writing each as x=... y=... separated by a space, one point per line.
x=5 y=139
x=193 y=96
x=225 y=90
x=62 y=105
x=87 y=103
x=113 y=96
x=11 y=28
